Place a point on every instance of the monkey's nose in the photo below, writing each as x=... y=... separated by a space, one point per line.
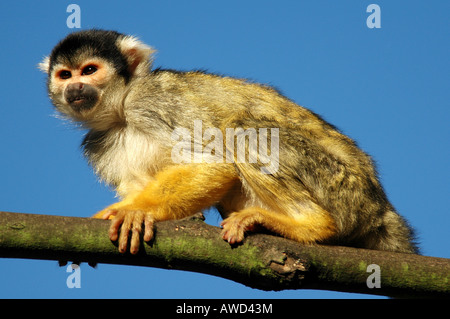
x=75 y=86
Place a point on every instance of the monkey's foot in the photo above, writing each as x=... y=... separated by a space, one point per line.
x=129 y=220
x=235 y=226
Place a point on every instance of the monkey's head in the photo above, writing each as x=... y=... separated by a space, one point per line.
x=89 y=71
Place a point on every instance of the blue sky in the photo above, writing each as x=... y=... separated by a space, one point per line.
x=387 y=88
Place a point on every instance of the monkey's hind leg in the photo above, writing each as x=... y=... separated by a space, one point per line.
x=308 y=228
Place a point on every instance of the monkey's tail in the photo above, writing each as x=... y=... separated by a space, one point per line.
x=394 y=234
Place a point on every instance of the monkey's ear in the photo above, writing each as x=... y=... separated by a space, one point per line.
x=138 y=54
x=44 y=65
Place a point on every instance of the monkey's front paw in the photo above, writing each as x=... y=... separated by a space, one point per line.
x=128 y=220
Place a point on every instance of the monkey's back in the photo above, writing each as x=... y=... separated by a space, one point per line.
x=314 y=157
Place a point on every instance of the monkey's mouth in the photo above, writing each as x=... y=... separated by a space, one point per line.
x=81 y=102
x=78 y=99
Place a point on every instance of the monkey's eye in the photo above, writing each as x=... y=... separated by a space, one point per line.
x=65 y=74
x=88 y=70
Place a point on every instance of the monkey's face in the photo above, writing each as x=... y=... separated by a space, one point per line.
x=76 y=90
x=89 y=73
x=78 y=93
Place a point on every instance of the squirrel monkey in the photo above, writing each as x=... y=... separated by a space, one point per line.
x=321 y=187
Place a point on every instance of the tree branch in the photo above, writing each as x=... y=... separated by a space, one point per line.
x=263 y=261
